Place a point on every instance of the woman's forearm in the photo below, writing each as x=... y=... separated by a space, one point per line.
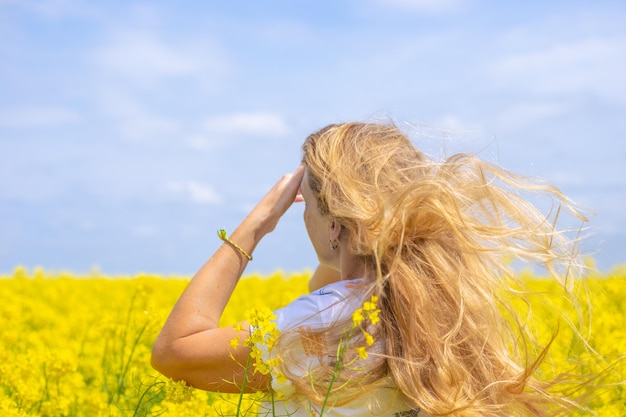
x=201 y=305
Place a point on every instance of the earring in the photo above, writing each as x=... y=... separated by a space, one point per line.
x=333 y=244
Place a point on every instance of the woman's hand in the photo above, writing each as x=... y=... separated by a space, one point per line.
x=271 y=208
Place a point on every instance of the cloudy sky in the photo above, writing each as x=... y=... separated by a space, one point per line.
x=131 y=131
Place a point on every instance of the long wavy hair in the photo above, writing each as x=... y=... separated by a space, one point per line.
x=434 y=236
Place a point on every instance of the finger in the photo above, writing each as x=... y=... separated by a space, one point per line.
x=299 y=173
x=292 y=183
x=286 y=190
x=297 y=177
x=293 y=179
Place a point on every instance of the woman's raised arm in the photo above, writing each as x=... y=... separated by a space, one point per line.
x=191 y=346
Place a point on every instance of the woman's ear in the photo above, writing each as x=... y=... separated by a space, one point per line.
x=334 y=230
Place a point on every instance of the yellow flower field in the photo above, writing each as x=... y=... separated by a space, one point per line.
x=80 y=345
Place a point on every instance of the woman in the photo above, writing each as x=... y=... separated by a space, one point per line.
x=406 y=316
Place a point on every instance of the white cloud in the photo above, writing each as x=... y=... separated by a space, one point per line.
x=424 y=6
x=140 y=55
x=38 y=117
x=143 y=57
x=261 y=123
x=201 y=142
x=55 y=8
x=194 y=191
x=592 y=65
x=133 y=119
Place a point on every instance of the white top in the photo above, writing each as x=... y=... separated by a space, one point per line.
x=315 y=311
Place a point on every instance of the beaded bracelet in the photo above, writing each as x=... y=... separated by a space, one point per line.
x=222 y=235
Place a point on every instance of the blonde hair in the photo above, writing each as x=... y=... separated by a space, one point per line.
x=433 y=236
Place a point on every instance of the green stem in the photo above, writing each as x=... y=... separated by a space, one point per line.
x=330 y=385
x=143 y=394
x=121 y=385
x=243 y=386
x=338 y=367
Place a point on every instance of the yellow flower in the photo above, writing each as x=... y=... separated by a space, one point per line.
x=280 y=377
x=357 y=317
x=177 y=392
x=369 y=312
x=263 y=337
x=369 y=339
x=68 y=340
x=261 y=367
x=374 y=319
x=372 y=304
x=234 y=343
x=362 y=351
x=10 y=409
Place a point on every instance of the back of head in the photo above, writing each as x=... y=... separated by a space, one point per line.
x=355 y=169
x=433 y=235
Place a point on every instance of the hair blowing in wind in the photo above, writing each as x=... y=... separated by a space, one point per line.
x=434 y=236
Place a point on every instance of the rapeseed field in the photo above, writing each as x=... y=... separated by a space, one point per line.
x=79 y=345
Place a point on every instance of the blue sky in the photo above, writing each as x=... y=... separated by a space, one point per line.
x=131 y=131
